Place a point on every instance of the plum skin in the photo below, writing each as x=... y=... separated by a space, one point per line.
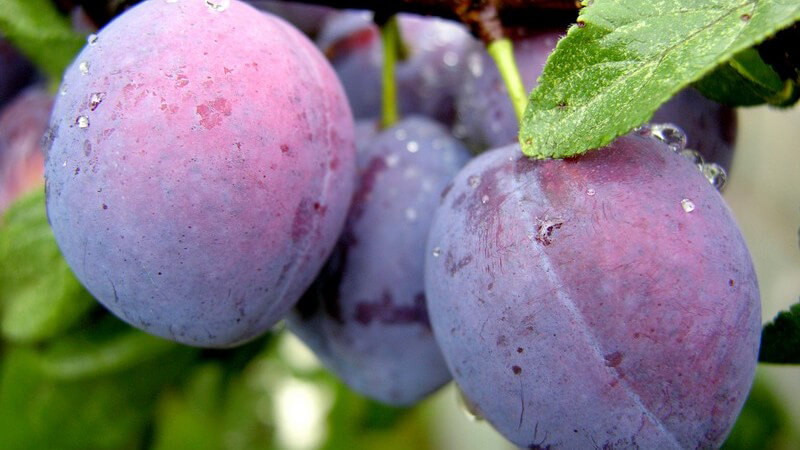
x=578 y=304
x=23 y=122
x=196 y=185
x=365 y=316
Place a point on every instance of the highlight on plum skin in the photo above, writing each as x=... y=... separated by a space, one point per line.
x=604 y=300
x=365 y=316
x=23 y=122
x=196 y=186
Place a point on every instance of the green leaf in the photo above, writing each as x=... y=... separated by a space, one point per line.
x=780 y=339
x=627 y=57
x=746 y=80
x=113 y=412
x=39 y=295
x=107 y=347
x=41 y=33
x=763 y=422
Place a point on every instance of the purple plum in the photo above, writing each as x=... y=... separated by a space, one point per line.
x=602 y=301
x=365 y=317
x=199 y=175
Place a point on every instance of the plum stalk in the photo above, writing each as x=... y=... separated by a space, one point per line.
x=390 y=41
x=502 y=52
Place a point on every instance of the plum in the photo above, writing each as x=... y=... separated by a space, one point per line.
x=23 y=122
x=484 y=115
x=15 y=71
x=198 y=175
x=307 y=18
x=427 y=79
x=603 y=301
x=710 y=127
x=365 y=316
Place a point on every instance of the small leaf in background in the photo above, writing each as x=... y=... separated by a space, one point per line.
x=746 y=80
x=780 y=339
x=763 y=423
x=39 y=295
x=627 y=57
x=106 y=347
x=39 y=31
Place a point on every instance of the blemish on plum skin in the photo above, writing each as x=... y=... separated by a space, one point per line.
x=285 y=149
x=212 y=112
x=614 y=359
x=445 y=191
x=516 y=369
x=368 y=178
x=301 y=224
x=105 y=206
x=454 y=267
x=385 y=311
x=520 y=349
x=731 y=283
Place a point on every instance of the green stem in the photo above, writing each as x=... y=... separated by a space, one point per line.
x=390 y=37
x=502 y=51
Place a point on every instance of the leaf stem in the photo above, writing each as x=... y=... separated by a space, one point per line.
x=502 y=51
x=390 y=38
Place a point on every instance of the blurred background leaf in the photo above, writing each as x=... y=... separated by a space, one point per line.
x=40 y=297
x=37 y=29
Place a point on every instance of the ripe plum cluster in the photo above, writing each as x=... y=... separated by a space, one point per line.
x=207 y=179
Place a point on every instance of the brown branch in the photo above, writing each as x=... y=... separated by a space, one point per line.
x=528 y=13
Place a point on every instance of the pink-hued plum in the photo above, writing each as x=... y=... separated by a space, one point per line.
x=427 y=80
x=365 y=316
x=603 y=301
x=199 y=174
x=22 y=124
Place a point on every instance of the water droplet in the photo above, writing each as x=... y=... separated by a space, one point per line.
x=694 y=156
x=92 y=39
x=670 y=134
x=411 y=214
x=715 y=175
x=218 y=5
x=83 y=67
x=82 y=122
x=436 y=252
x=96 y=99
x=400 y=134
x=485 y=199
x=450 y=58
x=63 y=90
x=474 y=181
x=412 y=147
x=590 y=191
x=687 y=205
x=392 y=160
x=475 y=64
